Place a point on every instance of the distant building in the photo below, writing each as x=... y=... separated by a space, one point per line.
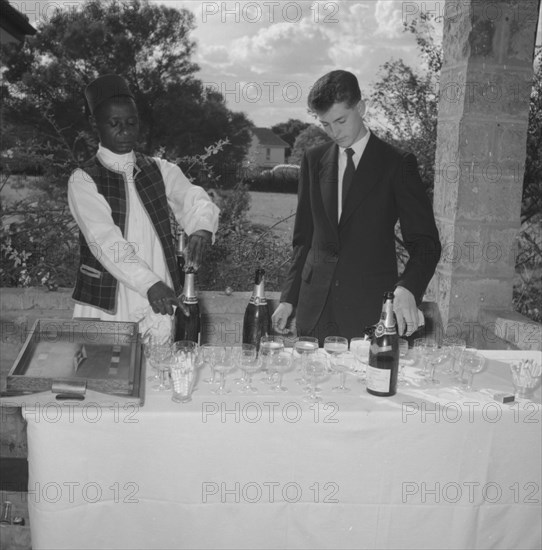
x=14 y=25
x=267 y=149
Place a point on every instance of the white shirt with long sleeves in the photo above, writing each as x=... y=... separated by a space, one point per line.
x=136 y=260
x=359 y=148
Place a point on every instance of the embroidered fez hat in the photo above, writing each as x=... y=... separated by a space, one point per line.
x=106 y=87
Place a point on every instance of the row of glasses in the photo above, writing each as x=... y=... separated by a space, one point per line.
x=175 y=362
x=461 y=361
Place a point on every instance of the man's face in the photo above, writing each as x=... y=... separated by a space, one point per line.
x=117 y=124
x=343 y=124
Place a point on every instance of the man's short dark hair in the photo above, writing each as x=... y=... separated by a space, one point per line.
x=334 y=87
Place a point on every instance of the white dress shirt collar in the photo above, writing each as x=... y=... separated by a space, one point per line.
x=358 y=147
x=118 y=163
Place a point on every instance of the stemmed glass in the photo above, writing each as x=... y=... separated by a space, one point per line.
x=249 y=365
x=206 y=357
x=343 y=363
x=473 y=363
x=226 y=359
x=160 y=355
x=359 y=346
x=148 y=343
x=334 y=345
x=269 y=345
x=316 y=370
x=281 y=363
x=424 y=349
x=453 y=347
x=403 y=352
x=304 y=346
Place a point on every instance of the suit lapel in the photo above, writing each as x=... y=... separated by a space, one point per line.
x=328 y=169
x=365 y=178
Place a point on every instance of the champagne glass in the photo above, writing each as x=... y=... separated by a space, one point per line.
x=206 y=356
x=269 y=345
x=453 y=346
x=226 y=359
x=161 y=355
x=473 y=363
x=344 y=363
x=316 y=370
x=333 y=345
x=360 y=346
x=304 y=346
x=282 y=362
x=148 y=343
x=249 y=365
x=403 y=352
x=424 y=349
x=435 y=358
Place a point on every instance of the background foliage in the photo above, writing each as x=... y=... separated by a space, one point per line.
x=45 y=134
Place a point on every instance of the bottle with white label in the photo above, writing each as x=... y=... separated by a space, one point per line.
x=384 y=353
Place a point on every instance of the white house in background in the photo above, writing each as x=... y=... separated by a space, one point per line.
x=267 y=149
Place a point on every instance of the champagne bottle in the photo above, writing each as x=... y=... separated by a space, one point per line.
x=188 y=328
x=257 y=320
x=180 y=251
x=384 y=353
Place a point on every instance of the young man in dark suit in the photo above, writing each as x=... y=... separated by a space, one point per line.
x=351 y=193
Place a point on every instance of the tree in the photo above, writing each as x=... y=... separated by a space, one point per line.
x=408 y=102
x=150 y=46
x=310 y=137
x=289 y=131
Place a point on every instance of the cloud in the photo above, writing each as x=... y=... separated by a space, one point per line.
x=283 y=47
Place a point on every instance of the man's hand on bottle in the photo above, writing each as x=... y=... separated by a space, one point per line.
x=196 y=246
x=162 y=299
x=280 y=317
x=406 y=311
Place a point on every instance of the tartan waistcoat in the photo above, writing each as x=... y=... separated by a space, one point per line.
x=94 y=284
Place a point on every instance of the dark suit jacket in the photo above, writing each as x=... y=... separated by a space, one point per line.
x=354 y=261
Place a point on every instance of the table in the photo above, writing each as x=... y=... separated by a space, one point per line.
x=423 y=469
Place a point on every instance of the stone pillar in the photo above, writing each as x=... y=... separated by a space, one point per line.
x=485 y=88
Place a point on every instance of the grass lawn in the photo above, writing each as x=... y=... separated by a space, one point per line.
x=268 y=209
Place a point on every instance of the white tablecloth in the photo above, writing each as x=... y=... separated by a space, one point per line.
x=423 y=469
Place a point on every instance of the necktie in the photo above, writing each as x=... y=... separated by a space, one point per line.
x=348 y=175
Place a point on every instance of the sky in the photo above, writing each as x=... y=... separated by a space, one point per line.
x=264 y=56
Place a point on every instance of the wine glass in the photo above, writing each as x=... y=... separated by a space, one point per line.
x=160 y=355
x=424 y=349
x=281 y=362
x=249 y=365
x=206 y=357
x=304 y=346
x=435 y=358
x=226 y=359
x=269 y=345
x=403 y=352
x=316 y=370
x=453 y=347
x=333 y=345
x=472 y=362
x=343 y=363
x=148 y=342
x=360 y=346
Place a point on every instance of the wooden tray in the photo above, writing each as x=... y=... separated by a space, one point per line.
x=67 y=357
